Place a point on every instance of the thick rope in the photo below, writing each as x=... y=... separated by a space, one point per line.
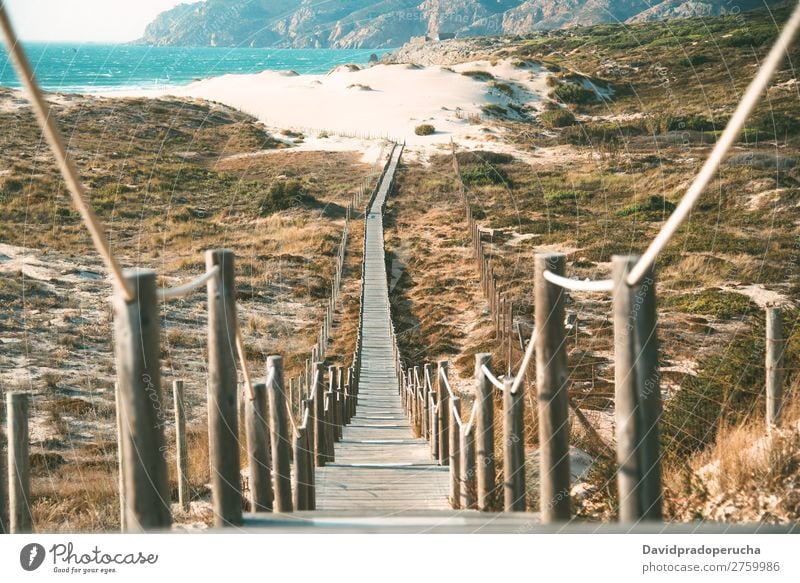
x=184 y=290
x=492 y=378
x=67 y=167
x=605 y=285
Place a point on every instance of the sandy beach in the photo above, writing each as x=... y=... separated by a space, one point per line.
x=349 y=105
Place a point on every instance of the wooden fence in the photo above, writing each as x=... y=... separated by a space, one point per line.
x=467 y=446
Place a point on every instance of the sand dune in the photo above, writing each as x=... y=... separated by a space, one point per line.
x=383 y=100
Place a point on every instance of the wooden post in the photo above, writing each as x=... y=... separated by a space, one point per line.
x=223 y=397
x=426 y=391
x=19 y=469
x=468 y=467
x=637 y=394
x=120 y=471
x=318 y=415
x=551 y=380
x=142 y=414
x=455 y=455
x=774 y=367
x=514 y=449
x=258 y=450
x=301 y=477
x=484 y=432
x=279 y=434
x=444 y=412
x=4 y=526
x=181 y=449
x=434 y=428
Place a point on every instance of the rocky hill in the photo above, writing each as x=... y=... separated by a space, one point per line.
x=391 y=23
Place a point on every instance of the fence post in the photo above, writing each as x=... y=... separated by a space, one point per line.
x=279 y=435
x=223 y=397
x=258 y=450
x=444 y=412
x=426 y=401
x=637 y=393
x=136 y=332
x=19 y=470
x=4 y=526
x=551 y=380
x=774 y=367
x=455 y=454
x=514 y=450
x=320 y=451
x=120 y=471
x=301 y=477
x=181 y=450
x=484 y=429
x=468 y=467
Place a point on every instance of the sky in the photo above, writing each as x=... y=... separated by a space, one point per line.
x=85 y=20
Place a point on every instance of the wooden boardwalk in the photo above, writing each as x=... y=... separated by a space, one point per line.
x=380 y=465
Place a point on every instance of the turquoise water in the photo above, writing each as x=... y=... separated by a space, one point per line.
x=100 y=67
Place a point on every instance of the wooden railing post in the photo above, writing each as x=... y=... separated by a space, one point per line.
x=514 y=449
x=551 y=381
x=123 y=522
x=774 y=366
x=142 y=414
x=637 y=394
x=181 y=449
x=320 y=447
x=258 y=450
x=223 y=397
x=279 y=435
x=19 y=469
x=434 y=414
x=444 y=412
x=484 y=432
x=455 y=455
x=468 y=467
x=426 y=401
x=4 y=526
x=301 y=477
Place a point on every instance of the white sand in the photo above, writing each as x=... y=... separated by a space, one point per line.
x=383 y=100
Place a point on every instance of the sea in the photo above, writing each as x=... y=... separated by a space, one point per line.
x=93 y=68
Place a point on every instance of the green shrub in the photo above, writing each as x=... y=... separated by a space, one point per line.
x=713 y=302
x=483 y=174
x=283 y=195
x=557 y=118
x=574 y=93
x=495 y=110
x=654 y=207
x=479 y=156
x=425 y=129
x=479 y=75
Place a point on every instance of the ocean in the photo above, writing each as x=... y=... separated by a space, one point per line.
x=90 y=68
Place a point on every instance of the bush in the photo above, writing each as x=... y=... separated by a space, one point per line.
x=654 y=207
x=495 y=110
x=573 y=93
x=557 y=118
x=283 y=195
x=479 y=156
x=479 y=75
x=425 y=129
x=713 y=302
x=483 y=174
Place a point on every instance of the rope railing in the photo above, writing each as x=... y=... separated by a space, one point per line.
x=186 y=289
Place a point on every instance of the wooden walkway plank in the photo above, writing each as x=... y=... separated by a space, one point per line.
x=380 y=465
